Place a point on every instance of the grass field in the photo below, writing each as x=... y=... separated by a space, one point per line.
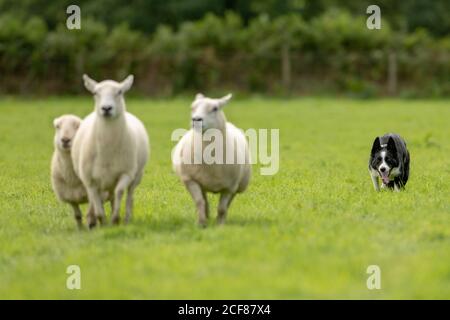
x=310 y=231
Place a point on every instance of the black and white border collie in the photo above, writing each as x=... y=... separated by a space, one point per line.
x=389 y=160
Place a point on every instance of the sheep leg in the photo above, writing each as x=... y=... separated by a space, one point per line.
x=121 y=186
x=77 y=214
x=130 y=197
x=200 y=201
x=224 y=204
x=130 y=203
x=206 y=204
x=90 y=217
x=95 y=200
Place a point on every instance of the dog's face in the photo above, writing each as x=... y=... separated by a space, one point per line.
x=384 y=160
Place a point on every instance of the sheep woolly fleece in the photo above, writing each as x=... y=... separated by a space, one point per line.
x=226 y=179
x=111 y=149
x=66 y=184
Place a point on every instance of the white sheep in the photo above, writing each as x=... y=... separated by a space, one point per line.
x=221 y=176
x=110 y=149
x=66 y=184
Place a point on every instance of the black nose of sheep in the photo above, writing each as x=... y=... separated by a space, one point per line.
x=107 y=110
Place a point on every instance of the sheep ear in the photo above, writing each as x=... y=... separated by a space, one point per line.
x=127 y=83
x=199 y=96
x=56 y=123
x=224 y=100
x=89 y=83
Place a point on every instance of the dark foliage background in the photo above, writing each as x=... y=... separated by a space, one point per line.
x=265 y=46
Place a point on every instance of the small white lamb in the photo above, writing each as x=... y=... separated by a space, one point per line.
x=228 y=179
x=110 y=149
x=66 y=184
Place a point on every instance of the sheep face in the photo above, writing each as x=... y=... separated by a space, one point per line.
x=65 y=129
x=109 y=96
x=207 y=113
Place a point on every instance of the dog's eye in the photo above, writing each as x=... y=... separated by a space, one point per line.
x=379 y=158
x=392 y=162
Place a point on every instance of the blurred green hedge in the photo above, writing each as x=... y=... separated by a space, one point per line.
x=333 y=53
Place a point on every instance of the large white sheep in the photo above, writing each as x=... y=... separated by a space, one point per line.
x=66 y=184
x=110 y=149
x=222 y=176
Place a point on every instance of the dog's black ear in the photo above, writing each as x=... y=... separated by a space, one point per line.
x=376 y=145
x=391 y=145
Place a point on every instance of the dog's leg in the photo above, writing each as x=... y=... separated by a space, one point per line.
x=396 y=187
x=375 y=181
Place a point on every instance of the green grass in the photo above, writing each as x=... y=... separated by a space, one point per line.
x=310 y=231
